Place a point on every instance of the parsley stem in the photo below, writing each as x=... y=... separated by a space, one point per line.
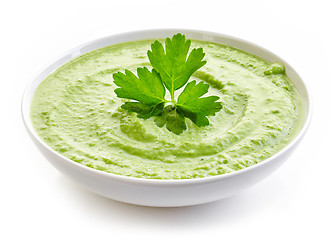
x=172 y=97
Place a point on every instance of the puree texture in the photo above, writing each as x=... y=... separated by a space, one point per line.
x=76 y=112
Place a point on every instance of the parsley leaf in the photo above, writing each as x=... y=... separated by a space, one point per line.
x=144 y=111
x=147 y=89
x=172 y=68
x=175 y=122
x=173 y=65
x=196 y=108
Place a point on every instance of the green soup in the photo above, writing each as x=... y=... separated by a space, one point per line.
x=76 y=112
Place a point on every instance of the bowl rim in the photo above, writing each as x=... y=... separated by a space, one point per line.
x=145 y=181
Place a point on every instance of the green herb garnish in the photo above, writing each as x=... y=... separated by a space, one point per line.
x=172 y=69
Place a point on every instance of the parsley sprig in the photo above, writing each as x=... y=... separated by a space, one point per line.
x=172 y=69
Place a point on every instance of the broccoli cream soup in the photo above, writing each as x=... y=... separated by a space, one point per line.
x=77 y=113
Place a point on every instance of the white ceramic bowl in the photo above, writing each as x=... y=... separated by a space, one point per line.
x=165 y=193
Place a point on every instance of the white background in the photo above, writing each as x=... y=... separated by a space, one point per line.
x=296 y=202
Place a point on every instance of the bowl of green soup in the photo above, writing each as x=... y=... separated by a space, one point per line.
x=167 y=118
